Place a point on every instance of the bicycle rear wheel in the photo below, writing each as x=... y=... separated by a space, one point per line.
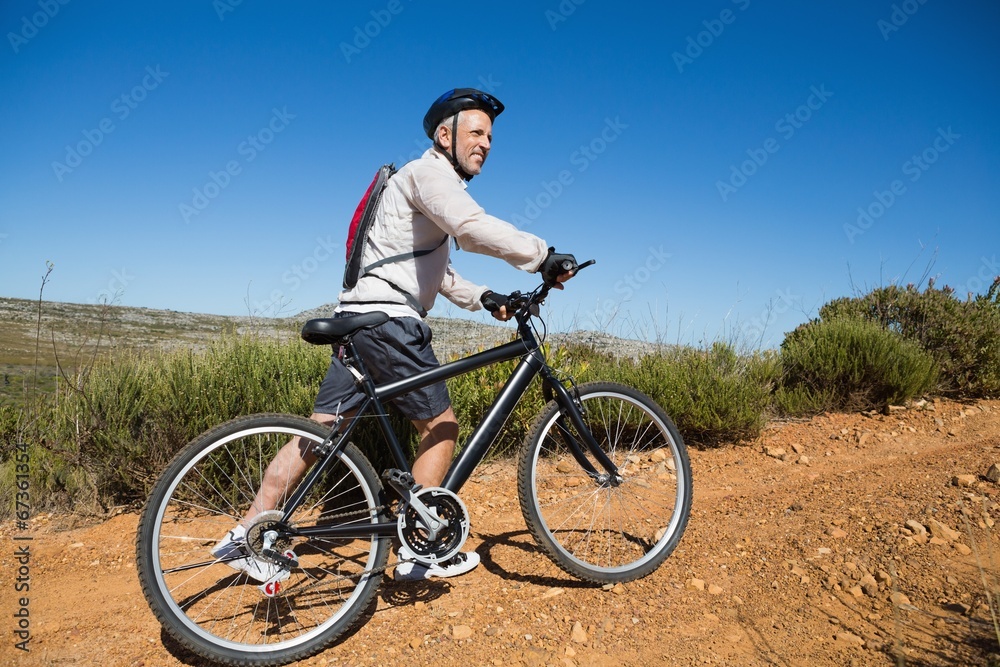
x=221 y=613
x=595 y=528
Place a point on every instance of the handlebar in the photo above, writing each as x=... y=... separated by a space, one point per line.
x=522 y=303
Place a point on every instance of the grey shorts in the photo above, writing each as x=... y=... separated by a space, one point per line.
x=392 y=351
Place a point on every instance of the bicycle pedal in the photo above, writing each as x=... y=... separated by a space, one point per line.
x=399 y=480
x=272 y=586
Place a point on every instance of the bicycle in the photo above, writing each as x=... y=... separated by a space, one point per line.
x=603 y=480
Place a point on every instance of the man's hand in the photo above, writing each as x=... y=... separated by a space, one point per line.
x=497 y=305
x=502 y=314
x=557 y=268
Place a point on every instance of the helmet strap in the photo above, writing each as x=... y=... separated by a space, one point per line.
x=454 y=141
x=453 y=155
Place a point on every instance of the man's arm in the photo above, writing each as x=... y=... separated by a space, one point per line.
x=460 y=291
x=444 y=201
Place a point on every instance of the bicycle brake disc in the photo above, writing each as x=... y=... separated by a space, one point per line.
x=445 y=505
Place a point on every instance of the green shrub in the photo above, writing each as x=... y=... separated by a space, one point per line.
x=10 y=429
x=850 y=363
x=963 y=336
x=132 y=412
x=473 y=394
x=713 y=395
x=54 y=483
x=101 y=438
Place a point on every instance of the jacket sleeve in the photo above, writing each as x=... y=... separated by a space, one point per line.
x=460 y=291
x=445 y=202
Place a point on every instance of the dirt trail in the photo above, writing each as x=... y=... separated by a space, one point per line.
x=790 y=558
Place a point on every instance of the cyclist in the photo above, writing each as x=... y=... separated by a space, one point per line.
x=424 y=204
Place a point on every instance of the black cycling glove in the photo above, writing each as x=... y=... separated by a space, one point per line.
x=555 y=265
x=494 y=301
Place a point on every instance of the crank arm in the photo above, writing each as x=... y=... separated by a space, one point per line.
x=406 y=487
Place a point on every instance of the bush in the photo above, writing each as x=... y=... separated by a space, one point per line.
x=850 y=363
x=963 y=336
x=713 y=395
x=104 y=442
x=108 y=439
x=10 y=429
x=473 y=394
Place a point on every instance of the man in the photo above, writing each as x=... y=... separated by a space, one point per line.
x=424 y=205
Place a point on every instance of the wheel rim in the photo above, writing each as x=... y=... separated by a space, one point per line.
x=224 y=607
x=606 y=528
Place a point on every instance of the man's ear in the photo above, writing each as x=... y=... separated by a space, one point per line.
x=443 y=137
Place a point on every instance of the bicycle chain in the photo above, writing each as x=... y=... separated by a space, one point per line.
x=378 y=570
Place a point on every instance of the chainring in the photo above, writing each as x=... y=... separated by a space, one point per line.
x=413 y=533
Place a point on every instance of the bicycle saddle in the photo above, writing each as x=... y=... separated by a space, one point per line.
x=338 y=330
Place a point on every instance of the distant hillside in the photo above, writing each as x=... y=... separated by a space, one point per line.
x=75 y=329
x=73 y=333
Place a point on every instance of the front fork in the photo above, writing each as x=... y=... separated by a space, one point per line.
x=571 y=414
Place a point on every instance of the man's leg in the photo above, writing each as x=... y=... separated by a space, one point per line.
x=437 y=446
x=281 y=477
x=286 y=470
x=284 y=473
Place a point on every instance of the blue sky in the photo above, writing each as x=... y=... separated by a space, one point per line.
x=731 y=165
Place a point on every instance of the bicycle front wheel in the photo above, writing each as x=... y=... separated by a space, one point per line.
x=597 y=528
x=223 y=613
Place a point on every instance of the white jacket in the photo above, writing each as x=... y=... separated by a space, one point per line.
x=425 y=203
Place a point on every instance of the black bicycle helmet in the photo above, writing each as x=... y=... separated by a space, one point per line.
x=449 y=104
x=459 y=99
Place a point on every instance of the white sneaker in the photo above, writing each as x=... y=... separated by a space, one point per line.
x=458 y=564
x=233 y=547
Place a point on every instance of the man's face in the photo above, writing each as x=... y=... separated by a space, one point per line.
x=475 y=135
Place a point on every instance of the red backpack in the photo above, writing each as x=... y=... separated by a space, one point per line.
x=361 y=224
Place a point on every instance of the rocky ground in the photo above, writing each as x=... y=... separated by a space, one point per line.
x=843 y=540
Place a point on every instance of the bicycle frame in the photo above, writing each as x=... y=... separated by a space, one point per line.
x=527 y=349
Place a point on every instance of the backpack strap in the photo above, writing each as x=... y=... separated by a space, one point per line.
x=401 y=257
x=411 y=300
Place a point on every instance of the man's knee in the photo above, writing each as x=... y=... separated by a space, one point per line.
x=442 y=427
x=446 y=417
x=323 y=418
